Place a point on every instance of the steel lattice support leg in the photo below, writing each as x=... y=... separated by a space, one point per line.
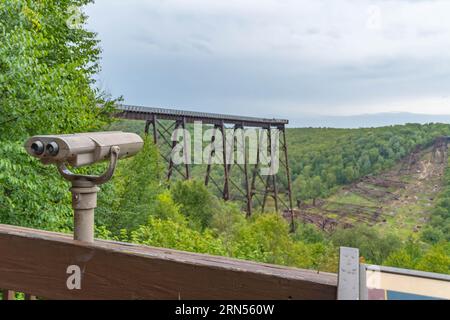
x=253 y=184
x=232 y=147
x=240 y=150
x=288 y=176
x=155 y=130
x=154 y=124
x=174 y=144
x=247 y=181
x=226 y=186
x=147 y=127
x=274 y=176
x=210 y=156
x=256 y=169
x=268 y=179
x=185 y=149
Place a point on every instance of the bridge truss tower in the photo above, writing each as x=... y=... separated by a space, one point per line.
x=237 y=181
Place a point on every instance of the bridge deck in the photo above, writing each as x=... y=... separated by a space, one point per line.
x=147 y=113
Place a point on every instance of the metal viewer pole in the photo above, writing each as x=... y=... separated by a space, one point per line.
x=84 y=196
x=84 y=202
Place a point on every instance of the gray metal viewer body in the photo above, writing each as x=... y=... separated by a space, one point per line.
x=80 y=150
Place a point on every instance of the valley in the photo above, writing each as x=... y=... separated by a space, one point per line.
x=399 y=199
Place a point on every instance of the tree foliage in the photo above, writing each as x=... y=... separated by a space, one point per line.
x=195 y=201
x=46 y=78
x=134 y=192
x=439 y=227
x=324 y=158
x=46 y=70
x=433 y=259
x=373 y=246
x=31 y=195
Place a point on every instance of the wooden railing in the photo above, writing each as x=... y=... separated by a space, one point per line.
x=40 y=263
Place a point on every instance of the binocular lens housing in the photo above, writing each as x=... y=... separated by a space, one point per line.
x=81 y=149
x=52 y=148
x=38 y=148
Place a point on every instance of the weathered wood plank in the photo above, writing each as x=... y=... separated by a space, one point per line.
x=37 y=261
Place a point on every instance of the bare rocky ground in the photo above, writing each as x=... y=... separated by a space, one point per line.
x=400 y=199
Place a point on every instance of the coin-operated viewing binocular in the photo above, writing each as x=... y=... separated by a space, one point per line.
x=83 y=149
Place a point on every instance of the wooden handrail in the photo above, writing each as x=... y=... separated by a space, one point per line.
x=37 y=262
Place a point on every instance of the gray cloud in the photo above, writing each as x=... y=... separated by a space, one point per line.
x=277 y=58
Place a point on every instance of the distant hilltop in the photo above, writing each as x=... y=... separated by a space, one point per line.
x=367 y=120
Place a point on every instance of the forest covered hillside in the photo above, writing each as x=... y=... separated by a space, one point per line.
x=322 y=159
x=329 y=167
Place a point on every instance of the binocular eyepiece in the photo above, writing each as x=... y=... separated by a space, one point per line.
x=38 y=148
x=52 y=148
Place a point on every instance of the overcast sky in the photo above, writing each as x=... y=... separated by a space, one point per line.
x=277 y=58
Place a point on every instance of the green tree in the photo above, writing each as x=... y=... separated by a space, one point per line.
x=437 y=259
x=350 y=174
x=302 y=188
x=195 y=201
x=32 y=195
x=406 y=257
x=47 y=69
x=433 y=259
x=373 y=246
x=46 y=86
x=176 y=235
x=226 y=221
x=266 y=239
x=432 y=235
x=135 y=192
x=316 y=188
x=308 y=233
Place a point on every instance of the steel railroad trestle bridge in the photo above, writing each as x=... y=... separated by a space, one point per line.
x=161 y=122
